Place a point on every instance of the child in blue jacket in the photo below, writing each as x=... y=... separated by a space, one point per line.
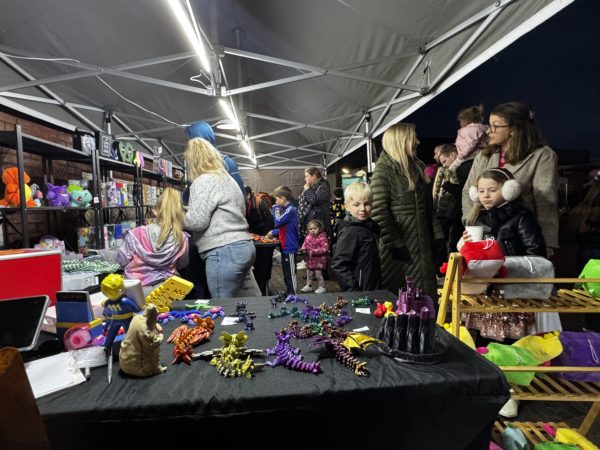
x=285 y=217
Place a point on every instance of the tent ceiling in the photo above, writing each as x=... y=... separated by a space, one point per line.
x=303 y=75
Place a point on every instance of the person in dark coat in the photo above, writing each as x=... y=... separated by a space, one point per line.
x=403 y=209
x=260 y=221
x=314 y=201
x=355 y=256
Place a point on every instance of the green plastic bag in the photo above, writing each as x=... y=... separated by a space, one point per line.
x=555 y=446
x=591 y=270
x=509 y=355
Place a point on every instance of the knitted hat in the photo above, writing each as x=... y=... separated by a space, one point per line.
x=201 y=130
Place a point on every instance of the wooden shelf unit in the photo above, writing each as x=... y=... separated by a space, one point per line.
x=546 y=385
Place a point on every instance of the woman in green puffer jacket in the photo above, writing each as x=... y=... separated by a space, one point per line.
x=403 y=208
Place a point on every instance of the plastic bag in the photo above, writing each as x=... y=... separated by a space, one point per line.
x=509 y=355
x=527 y=267
x=544 y=348
x=514 y=439
x=464 y=335
x=591 y=270
x=570 y=436
x=579 y=349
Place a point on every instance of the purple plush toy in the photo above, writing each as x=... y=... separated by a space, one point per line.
x=57 y=195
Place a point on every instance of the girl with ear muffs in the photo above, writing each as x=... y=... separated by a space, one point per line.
x=517 y=231
x=503 y=218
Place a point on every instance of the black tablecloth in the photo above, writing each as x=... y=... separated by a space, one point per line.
x=450 y=405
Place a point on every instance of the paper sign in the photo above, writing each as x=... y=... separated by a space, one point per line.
x=229 y=321
x=361 y=329
x=363 y=310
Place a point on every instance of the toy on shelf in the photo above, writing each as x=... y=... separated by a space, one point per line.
x=10 y=178
x=118 y=309
x=36 y=194
x=140 y=350
x=79 y=197
x=174 y=288
x=57 y=195
x=229 y=359
x=480 y=259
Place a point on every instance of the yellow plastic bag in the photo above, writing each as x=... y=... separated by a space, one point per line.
x=464 y=335
x=570 y=436
x=544 y=348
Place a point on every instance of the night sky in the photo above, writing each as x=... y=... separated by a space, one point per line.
x=555 y=69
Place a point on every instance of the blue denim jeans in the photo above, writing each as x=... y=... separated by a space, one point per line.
x=226 y=267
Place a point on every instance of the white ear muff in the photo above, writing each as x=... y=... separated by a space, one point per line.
x=473 y=194
x=511 y=189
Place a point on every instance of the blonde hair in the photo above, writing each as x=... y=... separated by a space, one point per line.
x=398 y=142
x=358 y=191
x=201 y=157
x=169 y=216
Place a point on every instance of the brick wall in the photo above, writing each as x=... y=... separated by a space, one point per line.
x=60 y=224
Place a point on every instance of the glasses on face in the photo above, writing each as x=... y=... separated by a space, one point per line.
x=494 y=128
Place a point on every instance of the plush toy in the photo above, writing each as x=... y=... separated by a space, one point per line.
x=481 y=259
x=36 y=194
x=57 y=195
x=79 y=197
x=10 y=177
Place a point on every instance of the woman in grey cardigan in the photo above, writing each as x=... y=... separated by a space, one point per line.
x=515 y=142
x=216 y=216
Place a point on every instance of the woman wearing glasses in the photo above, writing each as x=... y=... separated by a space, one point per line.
x=515 y=142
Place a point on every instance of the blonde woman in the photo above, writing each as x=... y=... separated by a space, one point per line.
x=403 y=209
x=154 y=252
x=216 y=217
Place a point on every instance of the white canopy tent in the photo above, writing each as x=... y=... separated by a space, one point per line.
x=308 y=81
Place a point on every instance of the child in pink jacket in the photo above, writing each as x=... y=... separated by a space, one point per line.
x=316 y=249
x=472 y=135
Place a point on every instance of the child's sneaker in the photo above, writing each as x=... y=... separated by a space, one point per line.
x=307 y=288
x=301 y=265
x=320 y=290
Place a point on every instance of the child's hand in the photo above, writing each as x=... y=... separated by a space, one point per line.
x=466 y=237
x=269 y=235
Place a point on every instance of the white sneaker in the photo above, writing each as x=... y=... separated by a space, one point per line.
x=306 y=288
x=301 y=265
x=320 y=290
x=510 y=410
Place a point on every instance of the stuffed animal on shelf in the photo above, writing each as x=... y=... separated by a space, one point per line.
x=57 y=195
x=10 y=177
x=36 y=194
x=140 y=350
x=80 y=197
x=481 y=259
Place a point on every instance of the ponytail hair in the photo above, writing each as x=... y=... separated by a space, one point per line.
x=169 y=216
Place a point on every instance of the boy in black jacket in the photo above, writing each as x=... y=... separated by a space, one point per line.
x=355 y=256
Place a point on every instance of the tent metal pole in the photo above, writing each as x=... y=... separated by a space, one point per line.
x=322 y=70
x=51 y=94
x=369 y=143
x=466 y=46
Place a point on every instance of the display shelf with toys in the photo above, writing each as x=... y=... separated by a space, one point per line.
x=22 y=199
x=548 y=384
